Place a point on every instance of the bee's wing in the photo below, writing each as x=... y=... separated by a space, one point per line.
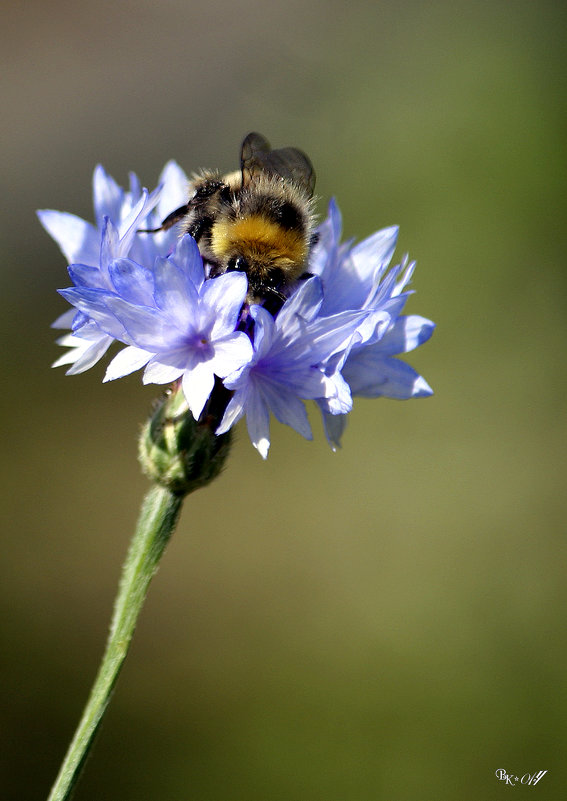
x=287 y=162
x=253 y=143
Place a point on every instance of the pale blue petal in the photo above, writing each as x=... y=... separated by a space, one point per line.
x=383 y=291
x=93 y=302
x=132 y=281
x=338 y=398
x=406 y=334
x=233 y=412
x=128 y=228
x=127 y=361
x=89 y=356
x=175 y=294
x=395 y=305
x=84 y=327
x=70 y=340
x=305 y=382
x=370 y=375
x=406 y=277
x=329 y=232
x=86 y=276
x=371 y=256
x=225 y=295
x=258 y=422
x=64 y=320
x=175 y=189
x=79 y=240
x=374 y=326
x=84 y=352
x=70 y=356
x=232 y=353
x=135 y=186
x=264 y=329
x=197 y=386
x=108 y=197
x=165 y=367
x=287 y=408
x=145 y=327
x=304 y=303
x=320 y=339
x=188 y=258
x=342 y=288
x=110 y=243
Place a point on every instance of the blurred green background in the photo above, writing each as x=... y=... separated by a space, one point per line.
x=387 y=622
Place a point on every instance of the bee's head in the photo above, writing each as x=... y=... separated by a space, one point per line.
x=264 y=278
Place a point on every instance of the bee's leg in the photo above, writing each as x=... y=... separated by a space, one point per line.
x=169 y=221
x=214 y=269
x=273 y=300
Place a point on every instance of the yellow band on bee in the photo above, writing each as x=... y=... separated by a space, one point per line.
x=258 y=235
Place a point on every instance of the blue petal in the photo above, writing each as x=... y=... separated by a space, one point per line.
x=234 y=411
x=86 y=299
x=406 y=277
x=326 y=335
x=371 y=256
x=127 y=361
x=231 y=353
x=93 y=304
x=370 y=375
x=258 y=422
x=175 y=294
x=197 y=386
x=225 y=295
x=64 y=320
x=128 y=228
x=175 y=189
x=135 y=186
x=406 y=334
x=108 y=197
x=328 y=234
x=188 y=258
x=304 y=303
x=132 y=281
x=165 y=367
x=109 y=243
x=288 y=409
x=85 y=276
x=263 y=331
x=145 y=327
x=91 y=355
x=78 y=240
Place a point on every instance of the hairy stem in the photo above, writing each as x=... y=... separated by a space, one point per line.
x=158 y=518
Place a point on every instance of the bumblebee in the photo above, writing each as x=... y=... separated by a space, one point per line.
x=258 y=219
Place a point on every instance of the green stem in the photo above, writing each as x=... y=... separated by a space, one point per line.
x=156 y=524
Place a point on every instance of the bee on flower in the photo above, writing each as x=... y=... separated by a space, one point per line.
x=224 y=283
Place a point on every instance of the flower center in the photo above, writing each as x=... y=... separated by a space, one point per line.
x=203 y=348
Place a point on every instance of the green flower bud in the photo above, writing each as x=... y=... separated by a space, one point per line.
x=179 y=452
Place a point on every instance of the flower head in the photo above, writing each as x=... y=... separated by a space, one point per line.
x=288 y=366
x=119 y=215
x=336 y=336
x=175 y=323
x=360 y=275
